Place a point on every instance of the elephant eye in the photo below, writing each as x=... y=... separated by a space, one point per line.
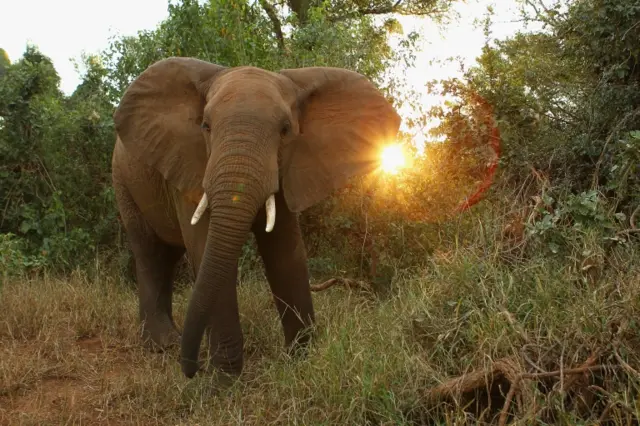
x=205 y=126
x=286 y=128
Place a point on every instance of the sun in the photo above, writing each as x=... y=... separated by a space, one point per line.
x=392 y=159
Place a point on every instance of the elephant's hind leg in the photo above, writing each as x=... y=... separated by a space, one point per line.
x=155 y=268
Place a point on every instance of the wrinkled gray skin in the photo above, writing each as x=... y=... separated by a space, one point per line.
x=187 y=128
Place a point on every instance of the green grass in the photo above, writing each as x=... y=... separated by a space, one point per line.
x=70 y=350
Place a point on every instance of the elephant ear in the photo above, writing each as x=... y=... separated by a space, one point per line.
x=159 y=119
x=344 y=123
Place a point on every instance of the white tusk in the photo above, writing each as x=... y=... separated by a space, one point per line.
x=202 y=205
x=270 y=205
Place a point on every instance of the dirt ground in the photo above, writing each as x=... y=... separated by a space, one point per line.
x=61 y=393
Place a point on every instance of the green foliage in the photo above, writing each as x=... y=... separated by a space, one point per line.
x=567 y=103
x=56 y=193
x=13 y=260
x=236 y=32
x=226 y=32
x=568 y=221
x=55 y=151
x=4 y=61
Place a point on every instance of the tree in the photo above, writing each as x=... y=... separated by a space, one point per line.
x=567 y=100
x=4 y=61
x=54 y=173
x=356 y=9
x=56 y=149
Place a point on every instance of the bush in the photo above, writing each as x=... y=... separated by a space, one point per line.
x=55 y=187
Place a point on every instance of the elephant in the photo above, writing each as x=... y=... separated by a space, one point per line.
x=205 y=154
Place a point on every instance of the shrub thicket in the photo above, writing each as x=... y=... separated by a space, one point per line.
x=565 y=100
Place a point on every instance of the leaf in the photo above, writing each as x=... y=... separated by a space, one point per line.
x=393 y=26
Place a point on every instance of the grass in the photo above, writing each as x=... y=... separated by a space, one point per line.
x=70 y=350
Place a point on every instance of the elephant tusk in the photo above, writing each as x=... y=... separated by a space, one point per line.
x=202 y=205
x=270 y=205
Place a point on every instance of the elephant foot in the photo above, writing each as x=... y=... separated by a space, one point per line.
x=221 y=380
x=300 y=345
x=298 y=351
x=160 y=337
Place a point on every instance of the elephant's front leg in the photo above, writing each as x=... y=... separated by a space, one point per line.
x=284 y=256
x=155 y=267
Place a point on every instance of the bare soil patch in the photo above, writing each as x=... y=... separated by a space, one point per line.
x=72 y=388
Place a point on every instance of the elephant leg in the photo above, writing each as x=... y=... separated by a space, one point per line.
x=156 y=263
x=285 y=260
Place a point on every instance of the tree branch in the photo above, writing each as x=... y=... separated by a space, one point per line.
x=277 y=27
x=396 y=7
x=380 y=10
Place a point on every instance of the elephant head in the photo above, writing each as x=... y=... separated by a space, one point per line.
x=230 y=138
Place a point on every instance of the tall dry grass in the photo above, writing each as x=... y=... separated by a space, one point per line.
x=70 y=349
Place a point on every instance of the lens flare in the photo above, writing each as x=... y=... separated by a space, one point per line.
x=392 y=159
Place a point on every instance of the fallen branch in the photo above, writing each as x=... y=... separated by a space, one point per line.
x=502 y=368
x=632 y=223
x=531 y=376
x=612 y=403
x=349 y=283
x=587 y=366
x=630 y=370
x=511 y=371
x=588 y=363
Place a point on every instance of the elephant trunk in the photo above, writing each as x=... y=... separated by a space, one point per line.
x=236 y=193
